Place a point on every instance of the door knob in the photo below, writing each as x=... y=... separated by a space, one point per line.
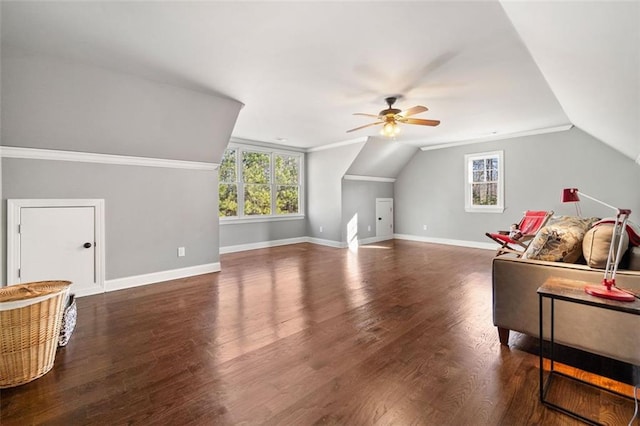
x=379 y=218
x=86 y=245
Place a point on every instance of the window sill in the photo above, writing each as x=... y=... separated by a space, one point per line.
x=484 y=209
x=254 y=219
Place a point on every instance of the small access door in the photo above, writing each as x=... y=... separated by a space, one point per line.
x=57 y=243
x=384 y=218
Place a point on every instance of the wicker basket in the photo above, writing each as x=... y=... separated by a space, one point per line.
x=30 y=318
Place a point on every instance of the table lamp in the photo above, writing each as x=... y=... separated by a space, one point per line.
x=608 y=288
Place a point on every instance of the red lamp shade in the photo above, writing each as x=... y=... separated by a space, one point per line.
x=570 y=195
x=608 y=289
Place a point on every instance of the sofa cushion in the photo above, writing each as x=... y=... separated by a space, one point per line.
x=595 y=246
x=560 y=240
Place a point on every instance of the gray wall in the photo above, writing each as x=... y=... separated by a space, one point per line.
x=54 y=104
x=381 y=157
x=325 y=170
x=246 y=233
x=240 y=233
x=149 y=211
x=332 y=202
x=359 y=197
x=430 y=189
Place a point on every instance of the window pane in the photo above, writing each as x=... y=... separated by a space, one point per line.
x=228 y=200
x=485 y=194
x=287 y=200
x=256 y=167
x=478 y=176
x=227 y=172
x=286 y=170
x=257 y=199
x=475 y=194
x=484 y=186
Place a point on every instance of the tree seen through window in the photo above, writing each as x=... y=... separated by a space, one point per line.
x=485 y=182
x=228 y=187
x=258 y=183
x=287 y=179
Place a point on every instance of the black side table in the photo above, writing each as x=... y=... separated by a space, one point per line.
x=572 y=291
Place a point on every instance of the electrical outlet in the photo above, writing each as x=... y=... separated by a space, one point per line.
x=369 y=228
x=424 y=227
x=321 y=229
x=181 y=252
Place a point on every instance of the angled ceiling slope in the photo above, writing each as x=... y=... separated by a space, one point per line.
x=381 y=158
x=589 y=53
x=482 y=68
x=463 y=60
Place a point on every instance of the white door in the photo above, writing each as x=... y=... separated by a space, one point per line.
x=57 y=243
x=384 y=218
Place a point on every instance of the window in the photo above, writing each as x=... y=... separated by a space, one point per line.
x=256 y=176
x=484 y=184
x=287 y=184
x=228 y=186
x=256 y=183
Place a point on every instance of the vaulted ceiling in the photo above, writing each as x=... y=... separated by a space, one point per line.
x=303 y=68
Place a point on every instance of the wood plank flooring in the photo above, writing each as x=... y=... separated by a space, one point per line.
x=397 y=333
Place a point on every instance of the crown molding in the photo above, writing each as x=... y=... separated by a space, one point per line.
x=490 y=138
x=271 y=145
x=369 y=178
x=88 y=157
x=338 y=144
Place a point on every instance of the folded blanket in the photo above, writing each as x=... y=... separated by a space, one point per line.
x=632 y=229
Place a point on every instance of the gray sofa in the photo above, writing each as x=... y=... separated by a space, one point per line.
x=515 y=307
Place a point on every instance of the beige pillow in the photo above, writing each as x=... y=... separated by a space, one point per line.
x=634 y=258
x=595 y=246
x=560 y=240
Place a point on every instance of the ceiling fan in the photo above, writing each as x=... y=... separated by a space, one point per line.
x=390 y=118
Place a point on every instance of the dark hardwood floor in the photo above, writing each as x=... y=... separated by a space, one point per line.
x=398 y=333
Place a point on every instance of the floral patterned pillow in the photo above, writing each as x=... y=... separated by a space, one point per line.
x=560 y=240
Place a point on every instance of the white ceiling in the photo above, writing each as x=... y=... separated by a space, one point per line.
x=302 y=69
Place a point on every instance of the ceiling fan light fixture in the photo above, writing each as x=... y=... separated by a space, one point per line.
x=390 y=129
x=391 y=117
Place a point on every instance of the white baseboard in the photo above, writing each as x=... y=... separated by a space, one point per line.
x=87 y=291
x=447 y=241
x=328 y=243
x=262 y=244
x=372 y=240
x=339 y=244
x=156 y=277
x=173 y=274
x=283 y=242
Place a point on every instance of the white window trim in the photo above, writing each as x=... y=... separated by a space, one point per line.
x=242 y=218
x=229 y=220
x=468 y=206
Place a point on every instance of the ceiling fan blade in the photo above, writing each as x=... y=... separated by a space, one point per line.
x=420 y=121
x=366 y=125
x=414 y=110
x=366 y=115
